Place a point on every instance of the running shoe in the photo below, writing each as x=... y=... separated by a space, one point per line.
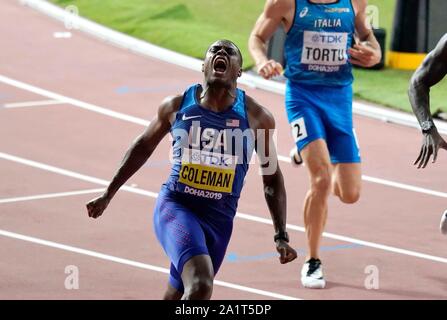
x=312 y=274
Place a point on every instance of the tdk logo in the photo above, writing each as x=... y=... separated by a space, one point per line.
x=325 y=38
x=217 y=160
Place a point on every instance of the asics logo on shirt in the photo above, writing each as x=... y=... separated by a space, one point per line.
x=304 y=12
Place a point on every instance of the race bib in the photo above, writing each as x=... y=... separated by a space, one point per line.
x=206 y=173
x=325 y=48
x=299 y=130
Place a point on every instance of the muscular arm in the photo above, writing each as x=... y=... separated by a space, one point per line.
x=276 y=12
x=432 y=71
x=143 y=146
x=138 y=153
x=275 y=195
x=274 y=191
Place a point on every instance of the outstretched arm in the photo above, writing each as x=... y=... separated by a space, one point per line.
x=274 y=191
x=138 y=153
x=432 y=71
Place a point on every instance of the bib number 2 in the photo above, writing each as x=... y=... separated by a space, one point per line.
x=299 y=129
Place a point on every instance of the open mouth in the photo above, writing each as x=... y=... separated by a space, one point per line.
x=220 y=65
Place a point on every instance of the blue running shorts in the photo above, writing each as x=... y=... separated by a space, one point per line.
x=186 y=229
x=323 y=112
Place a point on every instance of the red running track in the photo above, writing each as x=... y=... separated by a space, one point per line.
x=72 y=146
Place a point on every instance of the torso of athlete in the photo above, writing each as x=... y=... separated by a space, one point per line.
x=317 y=43
x=210 y=154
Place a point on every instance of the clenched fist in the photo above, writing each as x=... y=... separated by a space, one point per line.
x=270 y=69
x=97 y=206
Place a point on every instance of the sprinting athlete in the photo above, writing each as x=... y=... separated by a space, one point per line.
x=319 y=50
x=431 y=72
x=215 y=127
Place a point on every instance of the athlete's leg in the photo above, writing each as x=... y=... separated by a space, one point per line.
x=310 y=137
x=199 y=272
x=197 y=277
x=316 y=158
x=443 y=225
x=172 y=293
x=181 y=235
x=343 y=146
x=347 y=181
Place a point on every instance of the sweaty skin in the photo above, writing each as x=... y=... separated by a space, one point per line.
x=431 y=72
x=218 y=94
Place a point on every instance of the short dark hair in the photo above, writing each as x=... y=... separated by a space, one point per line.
x=232 y=43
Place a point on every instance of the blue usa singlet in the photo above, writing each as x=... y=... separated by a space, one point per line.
x=211 y=153
x=317 y=44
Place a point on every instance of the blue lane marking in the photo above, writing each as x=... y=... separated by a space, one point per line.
x=163 y=88
x=234 y=257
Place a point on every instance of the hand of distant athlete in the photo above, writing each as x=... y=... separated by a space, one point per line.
x=430 y=146
x=364 y=55
x=286 y=253
x=270 y=69
x=97 y=206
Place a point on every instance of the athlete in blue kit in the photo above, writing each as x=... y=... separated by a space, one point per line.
x=319 y=52
x=215 y=128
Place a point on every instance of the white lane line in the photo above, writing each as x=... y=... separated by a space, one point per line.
x=404 y=186
x=239 y=214
x=32 y=104
x=349 y=239
x=73 y=174
x=284 y=159
x=255 y=291
x=389 y=183
x=73 y=102
x=51 y=195
x=145 y=123
x=132 y=263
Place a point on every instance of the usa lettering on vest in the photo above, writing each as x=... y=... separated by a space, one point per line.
x=208 y=138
